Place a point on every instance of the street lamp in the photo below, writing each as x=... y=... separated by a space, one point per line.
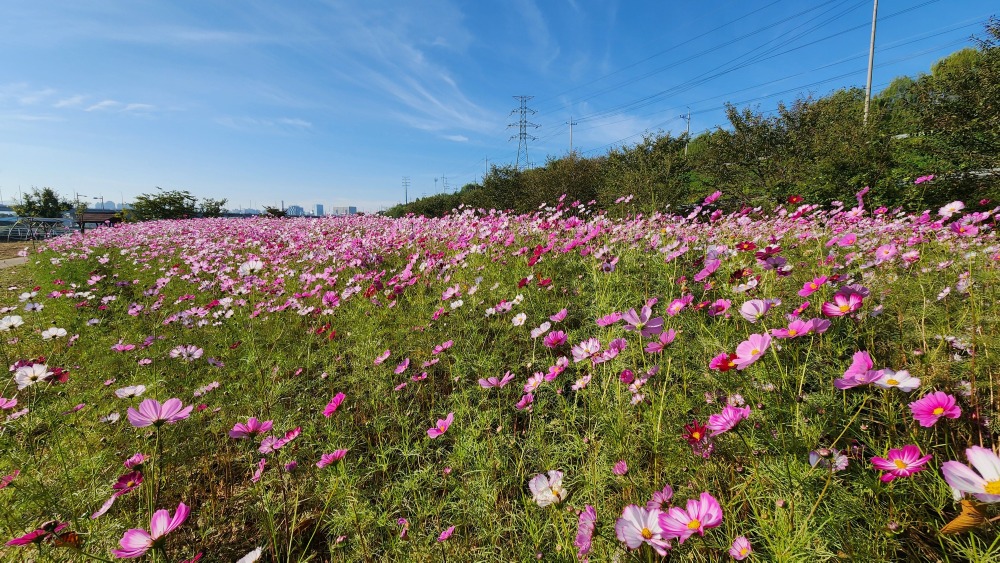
x=102 y=201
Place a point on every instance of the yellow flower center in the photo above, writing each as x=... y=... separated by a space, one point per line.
x=844 y=308
x=900 y=463
x=792 y=332
x=696 y=435
x=647 y=534
x=892 y=382
x=694 y=524
x=744 y=551
x=754 y=352
x=992 y=488
x=938 y=411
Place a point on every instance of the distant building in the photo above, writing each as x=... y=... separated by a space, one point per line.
x=343 y=211
x=295 y=211
x=319 y=209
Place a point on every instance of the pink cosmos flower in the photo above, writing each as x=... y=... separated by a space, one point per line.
x=327 y=459
x=660 y=499
x=740 y=549
x=442 y=426
x=332 y=406
x=750 y=350
x=842 y=305
x=554 y=339
x=983 y=483
x=585 y=532
x=39 y=535
x=251 y=429
x=402 y=366
x=558 y=317
x=136 y=542
x=493 y=381
x=697 y=517
x=810 y=287
x=609 y=319
x=151 y=412
x=259 y=472
x=642 y=322
x=6 y=479
x=6 y=404
x=664 y=340
x=586 y=349
x=719 y=307
x=929 y=409
x=727 y=419
x=620 y=468
x=859 y=373
x=135 y=462
x=712 y=198
x=754 y=309
x=710 y=267
x=525 y=403
x=795 y=329
x=900 y=462
x=273 y=443
x=638 y=526
x=382 y=357
x=446 y=534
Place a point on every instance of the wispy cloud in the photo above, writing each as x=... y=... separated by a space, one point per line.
x=71 y=102
x=105 y=105
x=457 y=138
x=544 y=48
x=286 y=124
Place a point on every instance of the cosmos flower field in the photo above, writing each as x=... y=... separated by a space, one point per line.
x=802 y=383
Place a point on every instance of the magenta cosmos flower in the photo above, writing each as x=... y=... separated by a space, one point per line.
x=252 y=428
x=442 y=426
x=928 y=410
x=751 y=349
x=494 y=381
x=860 y=372
x=810 y=287
x=697 y=517
x=900 y=462
x=638 y=526
x=983 y=483
x=842 y=305
x=333 y=405
x=727 y=419
x=327 y=459
x=642 y=322
x=136 y=542
x=554 y=339
x=152 y=413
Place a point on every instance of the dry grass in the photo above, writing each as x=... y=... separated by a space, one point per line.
x=10 y=249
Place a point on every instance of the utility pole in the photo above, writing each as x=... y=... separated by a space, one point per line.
x=435 y=185
x=444 y=184
x=522 y=124
x=871 y=61
x=687 y=132
x=571 y=123
x=406 y=189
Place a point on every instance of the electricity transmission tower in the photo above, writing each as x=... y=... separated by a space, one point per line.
x=406 y=189
x=523 y=137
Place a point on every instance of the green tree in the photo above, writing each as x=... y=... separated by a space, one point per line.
x=43 y=202
x=165 y=204
x=213 y=207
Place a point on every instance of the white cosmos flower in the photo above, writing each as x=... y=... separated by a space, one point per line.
x=10 y=322
x=54 y=332
x=901 y=380
x=250 y=557
x=519 y=319
x=983 y=483
x=130 y=391
x=547 y=490
x=251 y=267
x=26 y=376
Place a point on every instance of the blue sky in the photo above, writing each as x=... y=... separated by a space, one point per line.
x=334 y=102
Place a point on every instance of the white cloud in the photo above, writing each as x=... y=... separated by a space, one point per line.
x=138 y=107
x=104 y=105
x=70 y=102
x=256 y=123
x=457 y=138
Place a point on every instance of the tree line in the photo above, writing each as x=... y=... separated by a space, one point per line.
x=945 y=124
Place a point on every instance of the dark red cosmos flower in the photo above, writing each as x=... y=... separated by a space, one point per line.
x=795 y=199
x=746 y=246
x=44 y=532
x=694 y=432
